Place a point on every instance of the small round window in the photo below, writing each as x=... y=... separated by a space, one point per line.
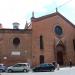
x=16 y=41
x=58 y=30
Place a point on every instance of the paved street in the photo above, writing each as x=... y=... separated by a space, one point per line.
x=62 y=71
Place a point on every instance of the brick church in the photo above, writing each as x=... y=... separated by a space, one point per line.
x=48 y=38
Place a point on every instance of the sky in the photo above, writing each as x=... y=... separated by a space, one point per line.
x=21 y=10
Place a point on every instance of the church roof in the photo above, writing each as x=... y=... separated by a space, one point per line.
x=50 y=15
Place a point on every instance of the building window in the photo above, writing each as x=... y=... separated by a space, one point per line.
x=74 y=44
x=58 y=30
x=41 y=42
x=16 y=41
x=41 y=59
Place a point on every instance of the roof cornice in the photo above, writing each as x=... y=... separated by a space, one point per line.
x=15 y=30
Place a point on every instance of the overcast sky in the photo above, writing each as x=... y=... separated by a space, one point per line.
x=21 y=10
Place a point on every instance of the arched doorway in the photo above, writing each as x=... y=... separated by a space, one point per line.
x=60 y=57
x=41 y=59
x=60 y=49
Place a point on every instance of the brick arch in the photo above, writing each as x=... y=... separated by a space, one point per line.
x=60 y=46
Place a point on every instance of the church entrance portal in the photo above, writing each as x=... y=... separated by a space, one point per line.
x=60 y=57
x=60 y=49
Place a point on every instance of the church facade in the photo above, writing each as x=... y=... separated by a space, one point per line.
x=48 y=38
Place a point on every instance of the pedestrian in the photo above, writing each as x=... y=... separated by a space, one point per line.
x=70 y=63
x=57 y=66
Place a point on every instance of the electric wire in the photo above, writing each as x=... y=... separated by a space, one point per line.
x=64 y=4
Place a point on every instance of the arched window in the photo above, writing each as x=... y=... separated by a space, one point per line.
x=41 y=42
x=58 y=30
x=16 y=41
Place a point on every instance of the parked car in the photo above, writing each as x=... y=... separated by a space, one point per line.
x=44 y=68
x=2 y=68
x=19 y=67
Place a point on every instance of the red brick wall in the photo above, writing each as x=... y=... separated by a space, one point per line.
x=45 y=28
x=6 y=47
